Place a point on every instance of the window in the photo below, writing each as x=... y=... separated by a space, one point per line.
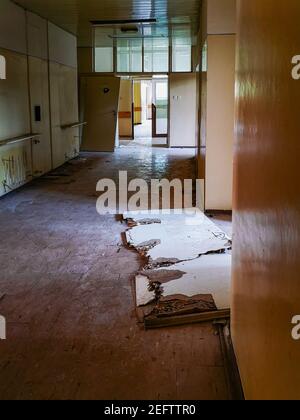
x=130 y=55
x=146 y=51
x=182 y=56
x=104 y=50
x=104 y=59
x=156 y=55
x=204 y=58
x=182 y=49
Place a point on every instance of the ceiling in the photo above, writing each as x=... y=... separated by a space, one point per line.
x=75 y=15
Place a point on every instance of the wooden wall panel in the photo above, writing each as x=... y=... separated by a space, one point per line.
x=266 y=253
x=221 y=17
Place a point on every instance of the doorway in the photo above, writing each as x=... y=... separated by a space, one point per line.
x=149 y=112
x=160 y=108
x=142 y=91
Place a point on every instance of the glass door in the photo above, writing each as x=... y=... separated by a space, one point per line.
x=160 y=108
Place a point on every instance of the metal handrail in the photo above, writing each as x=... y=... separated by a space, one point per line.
x=19 y=139
x=74 y=125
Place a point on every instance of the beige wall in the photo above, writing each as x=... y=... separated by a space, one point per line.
x=125 y=108
x=266 y=254
x=85 y=60
x=220 y=121
x=183 y=110
x=217 y=90
x=24 y=45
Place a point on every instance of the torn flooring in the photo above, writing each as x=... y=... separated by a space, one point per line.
x=188 y=269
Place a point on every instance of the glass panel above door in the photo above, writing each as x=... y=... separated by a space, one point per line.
x=156 y=55
x=129 y=55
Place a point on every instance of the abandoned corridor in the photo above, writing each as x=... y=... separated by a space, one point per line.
x=66 y=289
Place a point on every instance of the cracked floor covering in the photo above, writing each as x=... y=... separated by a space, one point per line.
x=190 y=246
x=66 y=291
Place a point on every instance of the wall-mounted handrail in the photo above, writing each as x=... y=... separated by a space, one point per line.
x=74 y=125
x=19 y=139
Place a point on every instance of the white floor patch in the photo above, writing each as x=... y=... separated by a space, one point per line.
x=143 y=295
x=209 y=274
x=189 y=244
x=178 y=237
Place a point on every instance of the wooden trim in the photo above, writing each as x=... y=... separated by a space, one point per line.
x=125 y=115
x=233 y=378
x=153 y=120
x=152 y=323
x=218 y=212
x=154 y=126
x=132 y=115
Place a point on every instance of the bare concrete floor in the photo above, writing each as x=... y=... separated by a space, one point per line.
x=66 y=292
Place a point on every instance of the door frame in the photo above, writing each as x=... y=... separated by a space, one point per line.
x=154 y=110
x=151 y=78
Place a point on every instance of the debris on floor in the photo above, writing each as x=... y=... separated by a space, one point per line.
x=188 y=268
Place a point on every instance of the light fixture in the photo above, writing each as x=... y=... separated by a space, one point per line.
x=122 y=22
x=129 y=29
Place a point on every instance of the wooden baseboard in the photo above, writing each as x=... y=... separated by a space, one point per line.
x=233 y=377
x=218 y=212
x=152 y=323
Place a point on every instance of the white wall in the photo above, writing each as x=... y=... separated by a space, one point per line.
x=37 y=36
x=62 y=46
x=12 y=27
x=183 y=110
x=63 y=79
x=24 y=46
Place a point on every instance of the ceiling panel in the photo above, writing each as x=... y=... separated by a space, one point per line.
x=75 y=15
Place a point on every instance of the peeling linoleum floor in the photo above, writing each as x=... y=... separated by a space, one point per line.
x=66 y=292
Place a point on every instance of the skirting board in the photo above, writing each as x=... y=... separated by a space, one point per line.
x=153 y=323
x=218 y=212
